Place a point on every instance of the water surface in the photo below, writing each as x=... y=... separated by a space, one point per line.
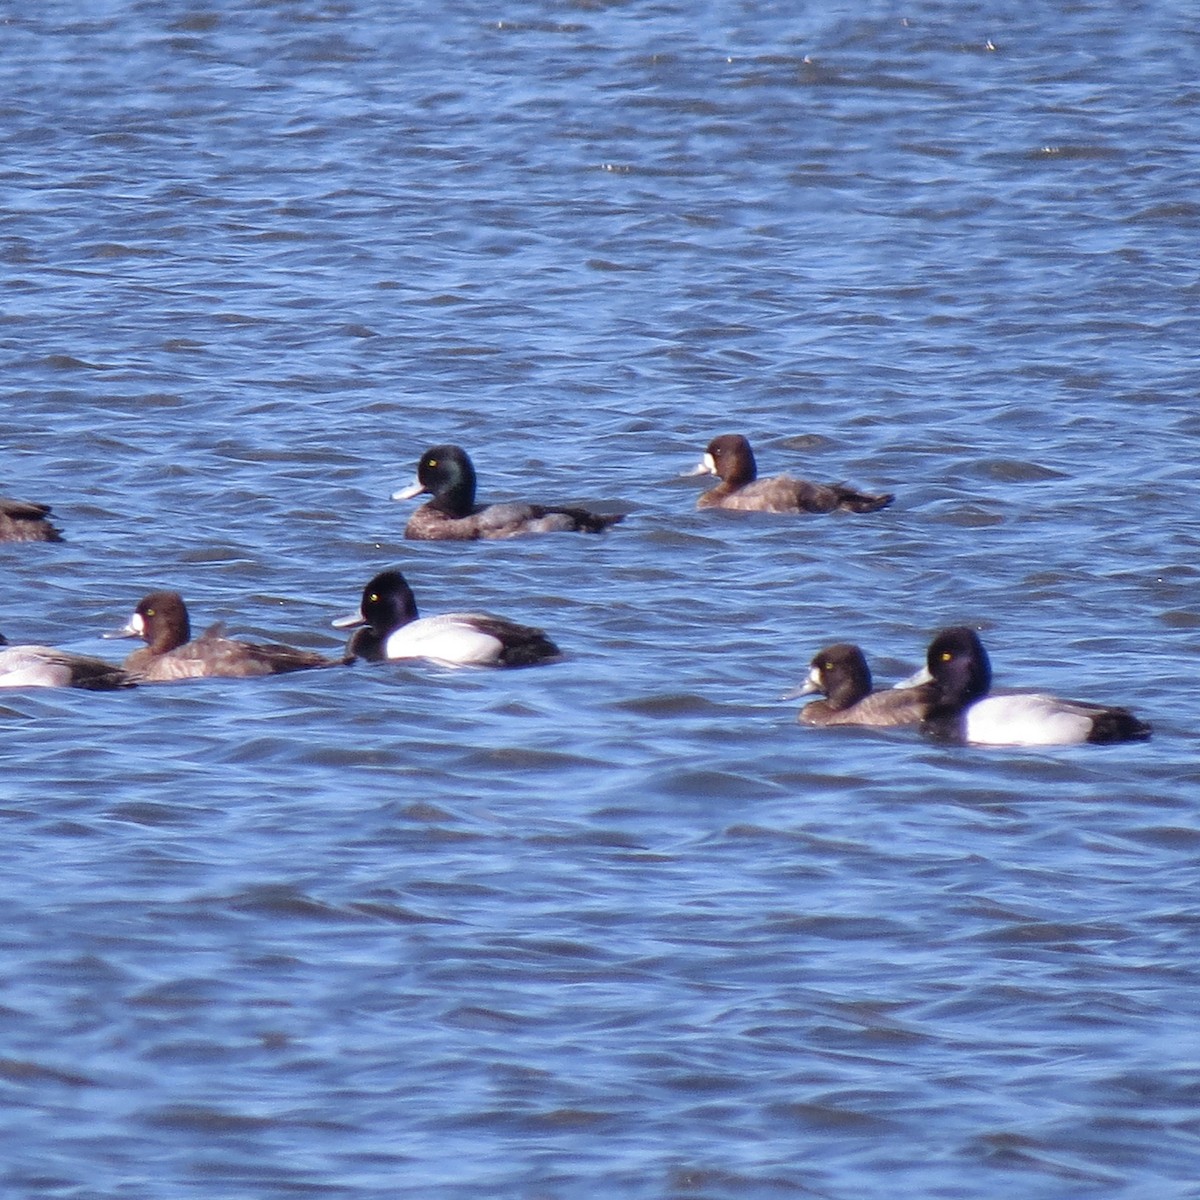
x=619 y=926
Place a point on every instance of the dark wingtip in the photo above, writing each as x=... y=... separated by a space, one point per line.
x=599 y=522
x=1118 y=725
x=587 y=521
x=533 y=652
x=866 y=504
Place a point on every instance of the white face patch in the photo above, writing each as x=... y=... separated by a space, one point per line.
x=710 y=464
x=814 y=676
x=137 y=624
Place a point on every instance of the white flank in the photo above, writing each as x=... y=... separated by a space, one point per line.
x=1027 y=719
x=450 y=639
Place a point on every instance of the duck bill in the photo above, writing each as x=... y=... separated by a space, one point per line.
x=349 y=621
x=807 y=688
x=409 y=491
x=915 y=679
x=134 y=627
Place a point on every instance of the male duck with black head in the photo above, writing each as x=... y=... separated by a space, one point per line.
x=389 y=627
x=161 y=619
x=962 y=710
x=47 y=666
x=448 y=475
x=840 y=672
x=24 y=521
x=730 y=458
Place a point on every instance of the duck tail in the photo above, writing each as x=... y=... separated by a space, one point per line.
x=861 y=502
x=590 y=522
x=534 y=648
x=1118 y=725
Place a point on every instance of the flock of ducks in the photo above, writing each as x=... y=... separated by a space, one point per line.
x=949 y=699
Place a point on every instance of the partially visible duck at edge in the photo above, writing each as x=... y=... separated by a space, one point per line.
x=387 y=626
x=448 y=475
x=730 y=458
x=962 y=710
x=841 y=674
x=161 y=619
x=23 y=521
x=47 y=666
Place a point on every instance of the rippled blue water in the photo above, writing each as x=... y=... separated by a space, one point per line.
x=619 y=926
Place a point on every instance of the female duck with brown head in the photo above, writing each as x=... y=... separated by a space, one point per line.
x=730 y=458
x=841 y=673
x=161 y=618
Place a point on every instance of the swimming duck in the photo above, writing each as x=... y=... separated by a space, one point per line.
x=730 y=458
x=46 y=666
x=23 y=521
x=962 y=710
x=391 y=629
x=161 y=618
x=447 y=473
x=842 y=674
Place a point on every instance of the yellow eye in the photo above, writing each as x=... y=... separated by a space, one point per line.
x=431 y=462
x=946 y=656
x=373 y=598
x=827 y=666
x=149 y=612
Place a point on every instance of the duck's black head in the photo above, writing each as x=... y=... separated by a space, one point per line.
x=960 y=666
x=448 y=474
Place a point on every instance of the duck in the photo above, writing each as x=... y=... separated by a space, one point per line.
x=962 y=711
x=448 y=475
x=161 y=619
x=387 y=626
x=841 y=673
x=24 y=521
x=47 y=666
x=731 y=459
